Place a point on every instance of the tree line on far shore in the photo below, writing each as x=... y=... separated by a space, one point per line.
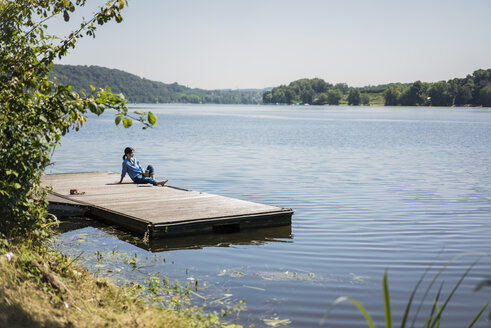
x=141 y=90
x=473 y=90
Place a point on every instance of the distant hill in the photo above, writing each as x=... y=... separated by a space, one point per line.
x=141 y=90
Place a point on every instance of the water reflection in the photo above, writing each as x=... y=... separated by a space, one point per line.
x=260 y=236
x=251 y=237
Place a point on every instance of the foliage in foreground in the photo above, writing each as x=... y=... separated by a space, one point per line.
x=36 y=112
x=40 y=288
x=436 y=312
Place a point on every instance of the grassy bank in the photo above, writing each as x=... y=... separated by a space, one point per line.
x=41 y=288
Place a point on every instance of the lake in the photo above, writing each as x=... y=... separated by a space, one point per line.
x=373 y=189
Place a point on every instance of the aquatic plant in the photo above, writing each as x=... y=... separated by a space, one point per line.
x=176 y=297
x=133 y=262
x=438 y=307
x=277 y=322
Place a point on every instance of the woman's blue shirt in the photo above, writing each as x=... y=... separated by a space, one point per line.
x=132 y=169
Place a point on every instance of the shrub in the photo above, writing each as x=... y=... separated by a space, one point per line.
x=35 y=112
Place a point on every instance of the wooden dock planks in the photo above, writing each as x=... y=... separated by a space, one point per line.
x=159 y=211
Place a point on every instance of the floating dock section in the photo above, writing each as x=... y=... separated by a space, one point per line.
x=156 y=211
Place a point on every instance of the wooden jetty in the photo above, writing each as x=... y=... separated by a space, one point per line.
x=156 y=211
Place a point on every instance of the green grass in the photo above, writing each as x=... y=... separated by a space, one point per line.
x=41 y=288
x=439 y=305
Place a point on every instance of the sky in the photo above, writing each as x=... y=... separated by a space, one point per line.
x=238 y=44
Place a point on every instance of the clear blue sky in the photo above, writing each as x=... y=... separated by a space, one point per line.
x=213 y=44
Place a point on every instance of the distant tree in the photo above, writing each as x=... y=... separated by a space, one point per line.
x=440 y=94
x=302 y=90
x=415 y=95
x=481 y=77
x=468 y=85
x=343 y=87
x=299 y=86
x=319 y=85
x=290 y=96
x=307 y=96
x=322 y=99
x=374 y=89
x=334 y=96
x=392 y=95
x=267 y=97
x=485 y=96
x=279 y=95
x=463 y=96
x=365 y=100
x=192 y=99
x=354 y=97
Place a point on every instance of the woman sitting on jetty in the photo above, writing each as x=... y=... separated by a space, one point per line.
x=132 y=166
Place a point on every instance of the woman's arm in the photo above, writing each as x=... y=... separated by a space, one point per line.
x=140 y=167
x=123 y=172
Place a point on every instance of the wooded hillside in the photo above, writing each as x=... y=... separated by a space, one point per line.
x=141 y=90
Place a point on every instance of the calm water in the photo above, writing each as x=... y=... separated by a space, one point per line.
x=372 y=189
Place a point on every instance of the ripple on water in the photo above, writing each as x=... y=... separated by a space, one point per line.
x=401 y=189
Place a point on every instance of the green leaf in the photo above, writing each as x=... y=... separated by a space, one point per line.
x=117 y=120
x=478 y=315
x=139 y=112
x=449 y=297
x=93 y=106
x=11 y=172
x=360 y=307
x=127 y=122
x=411 y=298
x=152 y=119
x=388 y=314
x=66 y=16
x=92 y=87
x=100 y=109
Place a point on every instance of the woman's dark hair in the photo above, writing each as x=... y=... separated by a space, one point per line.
x=127 y=151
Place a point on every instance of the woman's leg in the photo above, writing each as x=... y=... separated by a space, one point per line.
x=140 y=179
x=151 y=170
